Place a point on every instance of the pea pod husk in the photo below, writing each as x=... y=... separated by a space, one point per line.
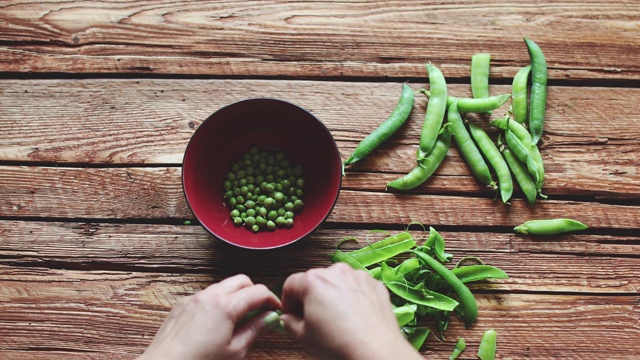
x=487 y=349
x=384 y=131
x=384 y=249
x=416 y=335
x=435 y=242
x=467 y=300
x=405 y=313
x=415 y=293
x=460 y=346
x=471 y=273
x=550 y=226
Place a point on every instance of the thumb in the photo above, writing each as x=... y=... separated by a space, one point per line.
x=293 y=324
x=244 y=337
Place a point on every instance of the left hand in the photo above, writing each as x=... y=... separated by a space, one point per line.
x=205 y=325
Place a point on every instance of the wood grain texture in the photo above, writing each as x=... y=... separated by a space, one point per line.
x=590 y=145
x=533 y=264
x=156 y=193
x=118 y=312
x=317 y=39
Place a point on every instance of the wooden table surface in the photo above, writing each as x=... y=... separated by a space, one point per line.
x=99 y=99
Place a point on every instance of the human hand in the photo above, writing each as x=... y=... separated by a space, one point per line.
x=341 y=313
x=205 y=325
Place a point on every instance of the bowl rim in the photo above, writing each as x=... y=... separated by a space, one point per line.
x=307 y=233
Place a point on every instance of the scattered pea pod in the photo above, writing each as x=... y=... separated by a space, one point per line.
x=480 y=75
x=520 y=172
x=523 y=153
x=539 y=74
x=550 y=226
x=492 y=154
x=434 y=115
x=487 y=349
x=475 y=105
x=387 y=128
x=427 y=165
x=378 y=251
x=405 y=314
x=416 y=335
x=519 y=94
x=473 y=273
x=467 y=148
x=460 y=346
x=467 y=301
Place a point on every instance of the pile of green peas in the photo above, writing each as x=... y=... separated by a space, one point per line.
x=263 y=190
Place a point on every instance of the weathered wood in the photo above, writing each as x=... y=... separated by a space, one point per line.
x=156 y=193
x=118 y=313
x=318 y=39
x=533 y=264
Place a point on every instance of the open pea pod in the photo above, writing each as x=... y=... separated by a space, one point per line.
x=416 y=335
x=340 y=256
x=435 y=243
x=403 y=269
x=473 y=273
x=413 y=293
x=405 y=313
x=384 y=249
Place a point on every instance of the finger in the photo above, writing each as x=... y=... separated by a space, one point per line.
x=245 y=336
x=255 y=297
x=228 y=285
x=294 y=291
x=293 y=324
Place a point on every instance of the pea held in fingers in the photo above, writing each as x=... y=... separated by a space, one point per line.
x=538 y=103
x=550 y=226
x=398 y=117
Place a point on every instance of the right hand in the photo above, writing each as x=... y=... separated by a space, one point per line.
x=341 y=313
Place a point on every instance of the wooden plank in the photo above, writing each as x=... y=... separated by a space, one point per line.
x=117 y=313
x=156 y=193
x=317 y=39
x=532 y=264
x=151 y=121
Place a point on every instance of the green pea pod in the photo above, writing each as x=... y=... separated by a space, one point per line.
x=550 y=226
x=398 y=117
x=523 y=153
x=427 y=165
x=525 y=138
x=434 y=115
x=374 y=256
x=473 y=273
x=405 y=314
x=475 y=105
x=436 y=243
x=403 y=269
x=480 y=64
x=492 y=154
x=467 y=301
x=340 y=256
x=520 y=172
x=519 y=94
x=413 y=293
x=383 y=243
x=416 y=336
x=460 y=346
x=487 y=349
x=468 y=149
x=539 y=74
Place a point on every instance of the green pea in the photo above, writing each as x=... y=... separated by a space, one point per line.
x=293 y=198
x=270 y=187
x=249 y=221
x=232 y=202
x=252 y=197
x=244 y=190
x=261 y=221
x=251 y=187
x=299 y=183
x=288 y=215
x=250 y=204
x=279 y=187
x=242 y=182
x=231 y=176
x=269 y=202
x=258 y=179
x=269 y=178
x=240 y=174
x=240 y=199
x=286 y=184
x=272 y=215
x=271 y=225
x=237 y=221
x=281 y=212
x=292 y=191
x=255 y=228
x=281 y=173
x=279 y=157
x=235 y=167
x=298 y=205
x=235 y=213
x=251 y=212
x=243 y=215
x=254 y=150
x=226 y=185
x=278 y=196
x=249 y=169
x=263 y=212
x=299 y=193
x=247 y=161
x=241 y=208
x=280 y=220
x=288 y=222
x=289 y=206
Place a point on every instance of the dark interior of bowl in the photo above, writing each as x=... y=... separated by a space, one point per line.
x=271 y=125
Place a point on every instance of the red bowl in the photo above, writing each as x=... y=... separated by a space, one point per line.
x=272 y=125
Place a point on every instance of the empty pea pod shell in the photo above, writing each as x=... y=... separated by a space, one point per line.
x=550 y=226
x=487 y=349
